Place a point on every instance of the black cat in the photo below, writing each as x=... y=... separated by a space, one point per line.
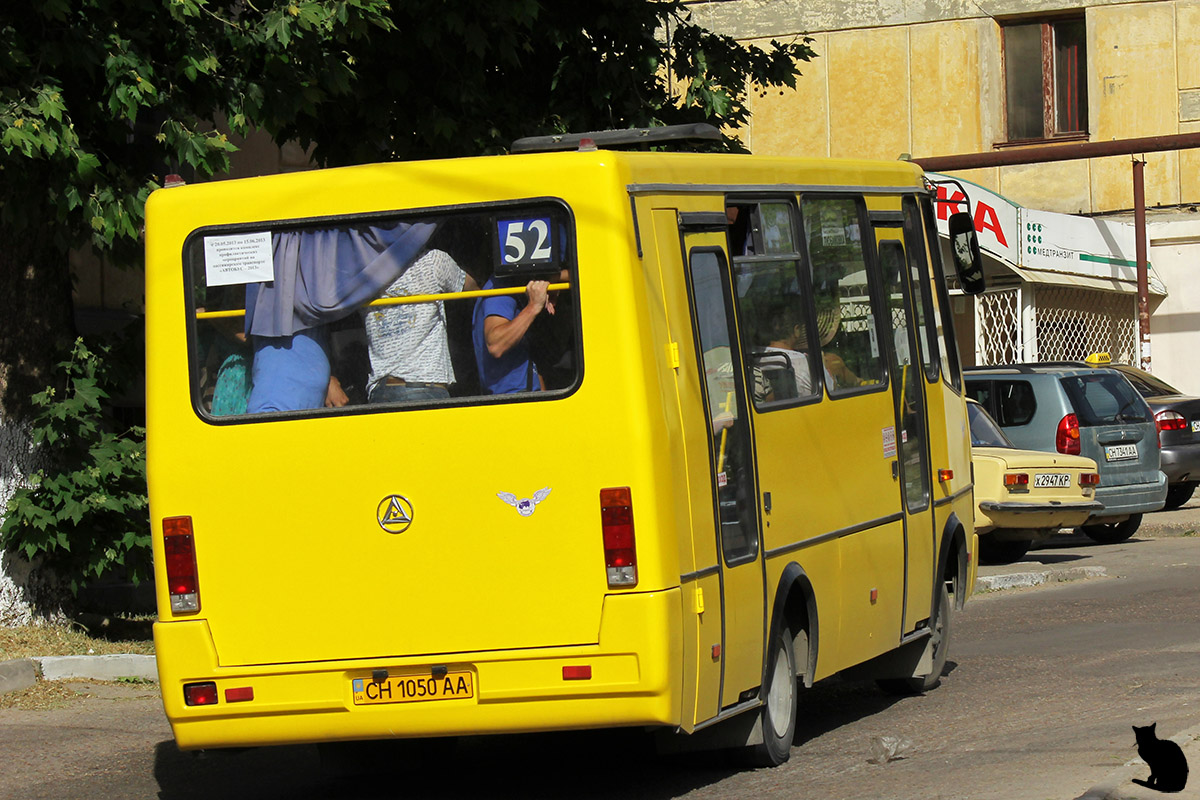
x=1168 y=766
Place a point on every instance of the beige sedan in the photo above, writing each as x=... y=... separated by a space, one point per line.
x=1024 y=495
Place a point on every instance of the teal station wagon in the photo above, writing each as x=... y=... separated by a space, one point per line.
x=1068 y=408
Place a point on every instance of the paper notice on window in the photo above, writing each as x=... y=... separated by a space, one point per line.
x=241 y=258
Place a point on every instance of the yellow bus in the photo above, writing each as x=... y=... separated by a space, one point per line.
x=724 y=456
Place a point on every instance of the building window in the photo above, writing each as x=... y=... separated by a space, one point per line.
x=1045 y=67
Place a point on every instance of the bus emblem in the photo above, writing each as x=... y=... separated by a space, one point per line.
x=394 y=514
x=525 y=506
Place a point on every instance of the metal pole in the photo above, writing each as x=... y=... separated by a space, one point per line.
x=1143 y=280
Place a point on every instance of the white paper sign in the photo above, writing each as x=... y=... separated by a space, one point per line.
x=889 y=442
x=241 y=258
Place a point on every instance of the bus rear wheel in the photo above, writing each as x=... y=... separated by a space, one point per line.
x=940 y=641
x=778 y=712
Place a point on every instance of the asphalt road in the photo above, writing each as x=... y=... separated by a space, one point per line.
x=1043 y=687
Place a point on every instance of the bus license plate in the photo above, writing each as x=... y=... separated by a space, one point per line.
x=413 y=688
x=1046 y=480
x=1120 y=452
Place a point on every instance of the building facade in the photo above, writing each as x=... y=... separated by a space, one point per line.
x=898 y=79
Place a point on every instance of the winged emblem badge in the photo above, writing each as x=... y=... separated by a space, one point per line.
x=524 y=506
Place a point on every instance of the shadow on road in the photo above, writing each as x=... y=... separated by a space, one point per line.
x=585 y=764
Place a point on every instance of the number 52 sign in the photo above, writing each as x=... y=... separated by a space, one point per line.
x=525 y=241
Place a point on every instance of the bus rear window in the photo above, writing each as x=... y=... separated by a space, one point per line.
x=383 y=313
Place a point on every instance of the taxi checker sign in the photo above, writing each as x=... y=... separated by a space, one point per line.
x=394 y=514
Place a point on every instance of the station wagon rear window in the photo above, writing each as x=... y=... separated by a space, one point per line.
x=1105 y=398
x=379 y=313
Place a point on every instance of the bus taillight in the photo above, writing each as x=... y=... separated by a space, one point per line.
x=620 y=551
x=180 y=551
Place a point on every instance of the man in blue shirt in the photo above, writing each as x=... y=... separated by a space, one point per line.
x=501 y=350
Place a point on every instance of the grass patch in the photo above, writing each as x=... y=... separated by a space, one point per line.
x=42 y=696
x=32 y=641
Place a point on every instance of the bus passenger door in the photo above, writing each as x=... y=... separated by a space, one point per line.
x=733 y=488
x=912 y=446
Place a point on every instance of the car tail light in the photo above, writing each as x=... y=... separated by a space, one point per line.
x=1066 y=440
x=180 y=554
x=200 y=694
x=1016 y=481
x=620 y=551
x=1170 y=421
x=1089 y=479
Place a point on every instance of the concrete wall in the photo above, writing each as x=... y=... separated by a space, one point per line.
x=927 y=79
x=1175 y=252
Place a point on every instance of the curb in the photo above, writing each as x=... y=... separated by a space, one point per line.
x=17 y=675
x=1119 y=784
x=1014 y=580
x=24 y=672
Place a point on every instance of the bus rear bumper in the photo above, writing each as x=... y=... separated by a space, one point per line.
x=633 y=679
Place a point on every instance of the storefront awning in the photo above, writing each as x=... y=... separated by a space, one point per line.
x=1046 y=247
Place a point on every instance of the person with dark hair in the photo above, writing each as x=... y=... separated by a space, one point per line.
x=789 y=338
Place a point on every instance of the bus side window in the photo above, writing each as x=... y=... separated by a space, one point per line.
x=777 y=334
x=842 y=292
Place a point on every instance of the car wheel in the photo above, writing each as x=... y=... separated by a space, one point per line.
x=1178 y=494
x=941 y=648
x=1002 y=552
x=1113 y=532
x=779 y=705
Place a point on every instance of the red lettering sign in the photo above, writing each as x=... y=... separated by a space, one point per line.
x=985 y=217
x=944 y=210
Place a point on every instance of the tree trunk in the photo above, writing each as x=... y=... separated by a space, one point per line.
x=35 y=288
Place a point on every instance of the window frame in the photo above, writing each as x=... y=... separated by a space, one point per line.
x=804 y=281
x=192 y=269
x=1049 y=81
x=876 y=300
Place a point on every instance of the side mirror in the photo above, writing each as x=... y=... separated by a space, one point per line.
x=964 y=249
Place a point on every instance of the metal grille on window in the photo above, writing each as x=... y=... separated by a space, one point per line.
x=1074 y=323
x=998 y=326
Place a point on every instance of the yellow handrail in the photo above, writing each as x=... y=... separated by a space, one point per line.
x=724 y=434
x=401 y=301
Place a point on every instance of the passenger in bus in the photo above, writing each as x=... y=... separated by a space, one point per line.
x=789 y=339
x=829 y=319
x=292 y=373
x=501 y=347
x=409 y=351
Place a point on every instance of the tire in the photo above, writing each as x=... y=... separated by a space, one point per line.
x=778 y=711
x=1113 y=532
x=1178 y=494
x=1002 y=552
x=941 y=648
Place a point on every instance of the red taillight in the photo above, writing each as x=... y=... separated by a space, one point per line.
x=1016 y=481
x=620 y=551
x=239 y=694
x=179 y=551
x=1089 y=479
x=1067 y=438
x=1170 y=421
x=200 y=694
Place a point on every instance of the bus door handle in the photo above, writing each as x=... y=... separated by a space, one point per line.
x=896 y=469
